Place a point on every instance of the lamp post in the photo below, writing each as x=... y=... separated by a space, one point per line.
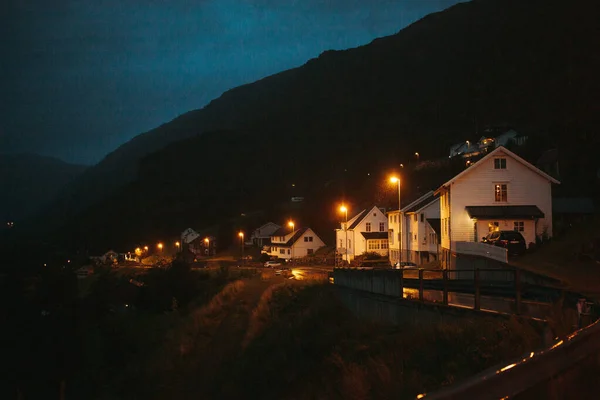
x=207 y=241
x=395 y=179
x=291 y=225
x=344 y=209
x=241 y=235
x=177 y=246
x=160 y=247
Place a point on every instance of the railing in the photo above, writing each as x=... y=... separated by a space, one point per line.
x=481 y=250
x=478 y=289
x=567 y=369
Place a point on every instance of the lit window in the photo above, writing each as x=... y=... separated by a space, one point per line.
x=384 y=244
x=519 y=226
x=499 y=163
x=501 y=192
x=493 y=226
x=368 y=227
x=381 y=226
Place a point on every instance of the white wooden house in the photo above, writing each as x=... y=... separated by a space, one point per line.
x=288 y=245
x=367 y=231
x=413 y=232
x=261 y=235
x=501 y=191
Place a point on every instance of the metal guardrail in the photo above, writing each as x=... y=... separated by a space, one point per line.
x=562 y=367
x=481 y=250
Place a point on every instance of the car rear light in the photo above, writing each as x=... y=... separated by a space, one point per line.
x=504 y=242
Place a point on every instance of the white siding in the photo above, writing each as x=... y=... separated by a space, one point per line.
x=300 y=247
x=358 y=244
x=476 y=188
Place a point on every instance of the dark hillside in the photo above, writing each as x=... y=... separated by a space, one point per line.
x=531 y=64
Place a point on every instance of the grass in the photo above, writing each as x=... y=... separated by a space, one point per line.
x=567 y=258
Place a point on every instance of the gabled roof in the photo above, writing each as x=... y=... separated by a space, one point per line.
x=297 y=234
x=436 y=225
x=494 y=153
x=264 y=225
x=280 y=232
x=421 y=202
x=362 y=215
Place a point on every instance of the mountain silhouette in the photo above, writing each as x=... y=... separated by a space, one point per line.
x=334 y=124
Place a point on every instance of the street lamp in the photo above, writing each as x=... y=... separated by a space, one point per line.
x=417 y=155
x=241 y=235
x=160 y=246
x=146 y=248
x=207 y=241
x=177 y=245
x=395 y=179
x=291 y=224
x=344 y=209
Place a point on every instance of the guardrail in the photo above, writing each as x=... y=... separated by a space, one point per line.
x=475 y=289
x=482 y=250
x=567 y=369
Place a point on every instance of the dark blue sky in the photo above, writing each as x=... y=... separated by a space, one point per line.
x=79 y=78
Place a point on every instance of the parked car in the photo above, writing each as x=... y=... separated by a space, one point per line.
x=271 y=264
x=405 y=265
x=513 y=241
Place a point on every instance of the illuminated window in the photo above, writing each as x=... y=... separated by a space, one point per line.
x=381 y=226
x=493 y=226
x=499 y=163
x=384 y=244
x=501 y=192
x=368 y=227
x=519 y=226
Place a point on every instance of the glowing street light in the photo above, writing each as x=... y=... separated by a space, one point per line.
x=344 y=209
x=292 y=225
x=395 y=179
x=146 y=248
x=160 y=246
x=241 y=235
x=417 y=155
x=207 y=243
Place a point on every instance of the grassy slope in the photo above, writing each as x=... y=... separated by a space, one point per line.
x=568 y=257
x=275 y=338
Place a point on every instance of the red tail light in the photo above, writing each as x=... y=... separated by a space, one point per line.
x=504 y=242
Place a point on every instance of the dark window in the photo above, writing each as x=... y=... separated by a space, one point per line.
x=499 y=163
x=422 y=217
x=381 y=226
x=309 y=251
x=368 y=227
x=519 y=226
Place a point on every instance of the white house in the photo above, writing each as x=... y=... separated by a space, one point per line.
x=365 y=232
x=501 y=191
x=261 y=235
x=297 y=244
x=419 y=241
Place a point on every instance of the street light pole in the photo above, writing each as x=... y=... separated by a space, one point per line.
x=291 y=224
x=344 y=209
x=241 y=235
x=401 y=220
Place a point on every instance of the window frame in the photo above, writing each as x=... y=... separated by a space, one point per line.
x=501 y=192
x=499 y=163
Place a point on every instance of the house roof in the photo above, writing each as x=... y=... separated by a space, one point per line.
x=573 y=205
x=548 y=157
x=421 y=202
x=292 y=240
x=265 y=225
x=494 y=153
x=360 y=216
x=436 y=225
x=280 y=232
x=504 y=212
x=374 y=235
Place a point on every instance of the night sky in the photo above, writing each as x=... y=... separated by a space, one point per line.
x=79 y=78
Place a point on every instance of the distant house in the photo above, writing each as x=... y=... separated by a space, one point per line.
x=501 y=191
x=261 y=236
x=492 y=138
x=289 y=245
x=413 y=232
x=367 y=231
x=197 y=245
